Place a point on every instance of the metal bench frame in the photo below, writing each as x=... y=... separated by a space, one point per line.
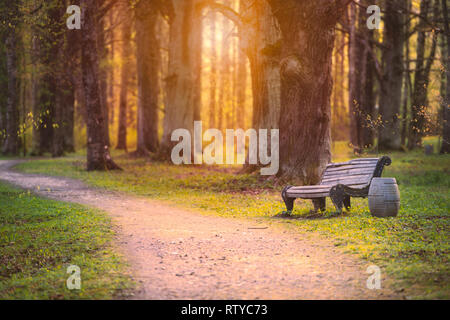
x=340 y=194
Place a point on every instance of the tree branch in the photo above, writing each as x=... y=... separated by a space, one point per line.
x=223 y=9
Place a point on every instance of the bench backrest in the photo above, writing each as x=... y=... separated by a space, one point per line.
x=356 y=173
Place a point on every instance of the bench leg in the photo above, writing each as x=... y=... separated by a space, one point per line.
x=289 y=202
x=337 y=195
x=320 y=204
x=347 y=203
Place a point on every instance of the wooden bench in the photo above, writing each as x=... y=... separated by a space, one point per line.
x=340 y=181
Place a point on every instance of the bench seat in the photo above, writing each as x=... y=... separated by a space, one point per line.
x=340 y=181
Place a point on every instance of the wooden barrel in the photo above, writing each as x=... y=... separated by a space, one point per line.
x=384 y=197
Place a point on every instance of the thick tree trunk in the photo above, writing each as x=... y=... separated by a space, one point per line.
x=63 y=118
x=391 y=84
x=182 y=83
x=11 y=143
x=259 y=38
x=339 y=125
x=124 y=78
x=306 y=83
x=417 y=127
x=98 y=156
x=147 y=67
x=446 y=105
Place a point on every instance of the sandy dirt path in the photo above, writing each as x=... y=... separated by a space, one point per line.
x=182 y=254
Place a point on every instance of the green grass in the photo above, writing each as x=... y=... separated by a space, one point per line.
x=412 y=248
x=40 y=238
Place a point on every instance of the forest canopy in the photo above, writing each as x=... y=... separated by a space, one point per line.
x=137 y=70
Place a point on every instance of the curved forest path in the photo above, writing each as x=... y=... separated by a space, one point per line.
x=182 y=254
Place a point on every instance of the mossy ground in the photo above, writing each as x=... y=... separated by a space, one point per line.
x=40 y=238
x=412 y=247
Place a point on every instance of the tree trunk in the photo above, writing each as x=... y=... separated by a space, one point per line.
x=264 y=55
x=361 y=74
x=306 y=84
x=196 y=47
x=369 y=98
x=391 y=84
x=407 y=83
x=417 y=127
x=124 y=78
x=148 y=68
x=69 y=116
x=241 y=76
x=213 y=74
x=47 y=89
x=103 y=75
x=111 y=79
x=98 y=156
x=259 y=38
x=11 y=143
x=3 y=90
x=72 y=77
x=182 y=83
x=224 y=84
x=355 y=78
x=446 y=107
x=35 y=87
x=64 y=66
